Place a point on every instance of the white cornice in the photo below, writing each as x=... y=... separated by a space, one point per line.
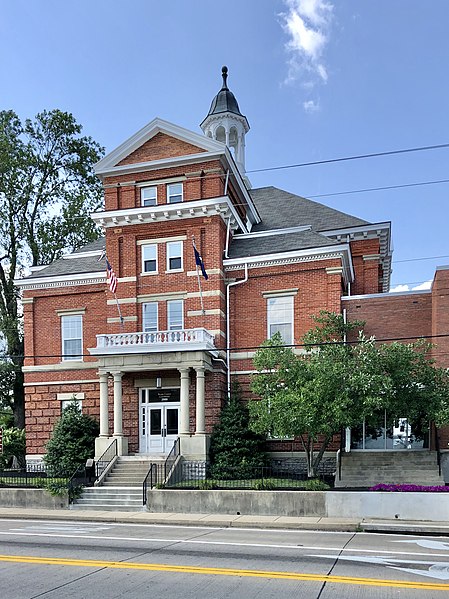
x=77 y=255
x=389 y=294
x=271 y=232
x=139 y=167
x=342 y=252
x=221 y=206
x=60 y=281
x=154 y=127
x=381 y=231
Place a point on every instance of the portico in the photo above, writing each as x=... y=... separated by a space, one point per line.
x=162 y=398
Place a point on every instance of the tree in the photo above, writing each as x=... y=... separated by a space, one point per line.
x=47 y=191
x=235 y=450
x=334 y=385
x=72 y=441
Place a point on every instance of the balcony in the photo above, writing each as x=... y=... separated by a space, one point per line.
x=160 y=341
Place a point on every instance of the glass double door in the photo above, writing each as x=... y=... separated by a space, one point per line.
x=382 y=433
x=159 y=424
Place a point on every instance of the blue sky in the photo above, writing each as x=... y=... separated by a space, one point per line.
x=317 y=79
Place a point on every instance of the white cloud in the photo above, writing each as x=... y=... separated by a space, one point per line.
x=425 y=285
x=307 y=24
x=311 y=106
x=399 y=288
x=421 y=287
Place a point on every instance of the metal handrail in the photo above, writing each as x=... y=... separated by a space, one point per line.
x=106 y=458
x=437 y=448
x=171 y=458
x=152 y=477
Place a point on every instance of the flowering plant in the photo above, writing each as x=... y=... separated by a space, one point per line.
x=411 y=488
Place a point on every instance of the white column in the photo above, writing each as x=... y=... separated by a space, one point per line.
x=184 y=428
x=200 y=407
x=118 y=417
x=104 y=411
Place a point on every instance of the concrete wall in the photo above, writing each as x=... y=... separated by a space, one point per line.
x=32 y=498
x=285 y=503
x=347 y=504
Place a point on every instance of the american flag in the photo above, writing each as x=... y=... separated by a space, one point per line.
x=112 y=279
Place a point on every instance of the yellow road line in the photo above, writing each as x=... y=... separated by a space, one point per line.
x=377 y=582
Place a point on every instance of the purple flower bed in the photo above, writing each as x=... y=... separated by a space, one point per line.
x=410 y=488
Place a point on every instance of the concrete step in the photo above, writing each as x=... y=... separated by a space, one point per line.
x=108 y=508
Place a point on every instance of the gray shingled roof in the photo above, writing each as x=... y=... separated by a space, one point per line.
x=273 y=244
x=279 y=209
x=74 y=266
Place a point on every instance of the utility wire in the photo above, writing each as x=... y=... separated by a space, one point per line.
x=256 y=347
x=387 y=187
x=348 y=158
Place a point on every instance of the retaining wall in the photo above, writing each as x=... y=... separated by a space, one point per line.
x=332 y=504
x=32 y=498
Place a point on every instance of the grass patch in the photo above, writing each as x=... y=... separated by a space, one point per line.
x=258 y=484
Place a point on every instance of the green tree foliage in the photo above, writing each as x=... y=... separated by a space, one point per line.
x=47 y=191
x=333 y=385
x=72 y=441
x=13 y=447
x=235 y=450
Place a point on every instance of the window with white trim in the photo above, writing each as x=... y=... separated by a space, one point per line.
x=175 y=315
x=174 y=256
x=149 y=317
x=72 y=337
x=148 y=196
x=174 y=193
x=280 y=317
x=149 y=258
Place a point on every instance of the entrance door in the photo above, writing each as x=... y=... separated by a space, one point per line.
x=380 y=433
x=159 y=421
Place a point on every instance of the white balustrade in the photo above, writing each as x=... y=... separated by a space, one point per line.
x=156 y=341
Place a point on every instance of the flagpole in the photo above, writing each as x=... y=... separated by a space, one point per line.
x=199 y=279
x=122 y=320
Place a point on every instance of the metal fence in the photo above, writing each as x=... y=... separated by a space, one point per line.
x=200 y=475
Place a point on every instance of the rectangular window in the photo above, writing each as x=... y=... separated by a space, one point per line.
x=149 y=313
x=149 y=258
x=148 y=196
x=280 y=317
x=175 y=315
x=174 y=256
x=174 y=193
x=72 y=337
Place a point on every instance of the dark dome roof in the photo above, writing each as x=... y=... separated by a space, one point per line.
x=225 y=100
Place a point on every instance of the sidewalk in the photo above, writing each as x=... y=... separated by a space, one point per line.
x=232 y=521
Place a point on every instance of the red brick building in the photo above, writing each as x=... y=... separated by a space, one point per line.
x=155 y=361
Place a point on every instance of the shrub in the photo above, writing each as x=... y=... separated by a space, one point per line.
x=264 y=484
x=235 y=451
x=72 y=441
x=13 y=447
x=315 y=484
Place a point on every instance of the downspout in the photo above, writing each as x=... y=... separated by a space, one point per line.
x=228 y=328
x=228 y=232
x=347 y=447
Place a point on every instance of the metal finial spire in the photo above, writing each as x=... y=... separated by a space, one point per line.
x=224 y=74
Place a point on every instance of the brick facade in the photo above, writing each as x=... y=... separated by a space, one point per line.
x=316 y=282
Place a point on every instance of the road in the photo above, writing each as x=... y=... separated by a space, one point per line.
x=64 y=560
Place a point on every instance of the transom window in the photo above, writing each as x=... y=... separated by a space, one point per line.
x=148 y=196
x=150 y=313
x=280 y=317
x=149 y=258
x=174 y=193
x=174 y=256
x=175 y=315
x=72 y=337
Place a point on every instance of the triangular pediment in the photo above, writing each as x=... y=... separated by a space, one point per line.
x=159 y=140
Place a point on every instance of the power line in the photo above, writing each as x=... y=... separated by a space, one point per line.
x=387 y=187
x=348 y=158
x=256 y=347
